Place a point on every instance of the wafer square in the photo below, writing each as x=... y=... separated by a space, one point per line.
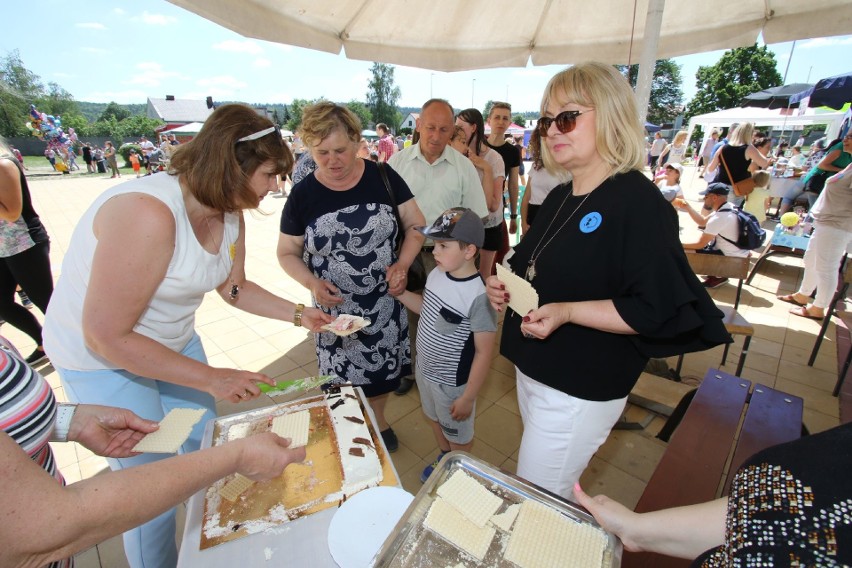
x=235 y=487
x=469 y=497
x=295 y=425
x=445 y=520
x=174 y=431
x=505 y=519
x=522 y=296
x=543 y=537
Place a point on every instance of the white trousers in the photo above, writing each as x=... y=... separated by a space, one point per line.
x=561 y=434
x=822 y=262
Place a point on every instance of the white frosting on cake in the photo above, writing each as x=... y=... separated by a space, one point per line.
x=358 y=472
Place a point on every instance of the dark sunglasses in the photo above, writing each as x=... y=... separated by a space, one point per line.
x=565 y=121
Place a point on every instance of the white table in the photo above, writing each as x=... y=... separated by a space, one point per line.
x=780 y=186
x=303 y=542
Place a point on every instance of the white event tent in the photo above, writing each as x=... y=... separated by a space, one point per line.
x=763 y=117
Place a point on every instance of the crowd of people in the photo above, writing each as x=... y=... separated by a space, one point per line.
x=360 y=219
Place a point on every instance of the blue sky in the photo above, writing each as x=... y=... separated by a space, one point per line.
x=107 y=51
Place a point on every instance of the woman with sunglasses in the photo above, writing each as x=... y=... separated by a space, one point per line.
x=613 y=282
x=120 y=327
x=489 y=165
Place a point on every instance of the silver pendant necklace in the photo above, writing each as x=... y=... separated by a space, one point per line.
x=530 y=273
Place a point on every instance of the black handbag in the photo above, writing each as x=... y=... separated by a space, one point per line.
x=817 y=181
x=417 y=270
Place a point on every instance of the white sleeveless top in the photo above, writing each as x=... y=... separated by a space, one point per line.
x=170 y=315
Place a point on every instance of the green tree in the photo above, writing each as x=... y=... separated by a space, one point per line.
x=275 y=118
x=115 y=111
x=19 y=88
x=58 y=102
x=382 y=95
x=295 y=111
x=363 y=113
x=666 y=101
x=137 y=126
x=487 y=110
x=518 y=119
x=738 y=73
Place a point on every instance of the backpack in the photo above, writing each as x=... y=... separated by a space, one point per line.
x=751 y=235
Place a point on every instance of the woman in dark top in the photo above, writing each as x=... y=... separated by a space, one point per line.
x=790 y=505
x=614 y=284
x=338 y=239
x=24 y=253
x=739 y=154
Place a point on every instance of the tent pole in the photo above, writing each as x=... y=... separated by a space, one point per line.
x=648 y=56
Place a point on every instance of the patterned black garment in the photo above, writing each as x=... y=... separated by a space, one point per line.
x=791 y=505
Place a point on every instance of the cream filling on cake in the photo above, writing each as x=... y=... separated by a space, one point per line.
x=359 y=472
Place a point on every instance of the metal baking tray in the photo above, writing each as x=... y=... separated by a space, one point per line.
x=411 y=545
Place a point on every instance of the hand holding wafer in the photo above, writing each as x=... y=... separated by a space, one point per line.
x=522 y=296
x=108 y=431
x=264 y=456
x=541 y=322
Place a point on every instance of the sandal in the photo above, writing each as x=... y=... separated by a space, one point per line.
x=791 y=299
x=802 y=311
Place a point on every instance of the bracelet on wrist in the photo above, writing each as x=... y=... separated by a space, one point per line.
x=297 y=315
x=513 y=216
x=62 y=424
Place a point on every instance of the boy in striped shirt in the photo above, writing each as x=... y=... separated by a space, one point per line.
x=456 y=332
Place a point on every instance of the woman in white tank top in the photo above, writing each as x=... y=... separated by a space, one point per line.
x=120 y=326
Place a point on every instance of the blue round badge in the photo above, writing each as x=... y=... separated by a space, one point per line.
x=590 y=222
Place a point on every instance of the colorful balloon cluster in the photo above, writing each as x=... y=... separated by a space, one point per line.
x=49 y=128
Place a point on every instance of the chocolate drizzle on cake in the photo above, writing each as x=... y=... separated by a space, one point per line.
x=354 y=419
x=356 y=452
x=352 y=396
x=364 y=441
x=336 y=404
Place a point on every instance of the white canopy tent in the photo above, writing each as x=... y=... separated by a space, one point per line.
x=187 y=129
x=764 y=117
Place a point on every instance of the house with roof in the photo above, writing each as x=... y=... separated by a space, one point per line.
x=178 y=112
x=410 y=121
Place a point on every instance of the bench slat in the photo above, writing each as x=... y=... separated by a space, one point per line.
x=692 y=465
x=772 y=417
x=657 y=394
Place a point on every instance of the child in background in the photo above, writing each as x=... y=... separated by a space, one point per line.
x=134 y=161
x=757 y=201
x=669 y=182
x=455 y=335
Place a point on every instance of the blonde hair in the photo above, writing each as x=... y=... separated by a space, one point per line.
x=742 y=134
x=679 y=138
x=217 y=169
x=619 y=136
x=761 y=178
x=321 y=119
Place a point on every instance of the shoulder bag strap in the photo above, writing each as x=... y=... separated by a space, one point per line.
x=722 y=159
x=384 y=174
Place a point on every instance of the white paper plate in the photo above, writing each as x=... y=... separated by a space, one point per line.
x=361 y=525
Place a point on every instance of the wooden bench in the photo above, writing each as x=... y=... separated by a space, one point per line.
x=728 y=421
x=654 y=393
x=736 y=324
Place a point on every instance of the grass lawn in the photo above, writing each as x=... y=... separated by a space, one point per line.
x=40 y=165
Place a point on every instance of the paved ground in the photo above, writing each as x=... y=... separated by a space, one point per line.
x=621 y=468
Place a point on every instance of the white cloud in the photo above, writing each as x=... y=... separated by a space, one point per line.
x=221 y=81
x=151 y=74
x=261 y=63
x=94 y=50
x=281 y=46
x=129 y=96
x=119 y=12
x=90 y=25
x=237 y=46
x=157 y=19
x=825 y=42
